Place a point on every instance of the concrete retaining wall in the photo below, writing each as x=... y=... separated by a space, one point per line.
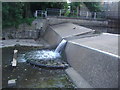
x=26 y=34
x=53 y=21
x=24 y=31
x=98 y=69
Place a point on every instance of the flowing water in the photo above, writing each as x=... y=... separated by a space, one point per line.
x=47 y=58
x=42 y=55
x=60 y=46
x=28 y=76
x=46 y=54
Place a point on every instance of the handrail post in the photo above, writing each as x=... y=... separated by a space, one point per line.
x=60 y=13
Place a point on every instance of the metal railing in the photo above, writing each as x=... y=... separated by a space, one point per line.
x=61 y=13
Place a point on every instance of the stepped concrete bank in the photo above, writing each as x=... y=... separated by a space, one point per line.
x=94 y=59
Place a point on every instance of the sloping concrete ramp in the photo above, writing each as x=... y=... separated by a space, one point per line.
x=95 y=59
x=56 y=33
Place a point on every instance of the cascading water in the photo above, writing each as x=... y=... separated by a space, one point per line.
x=42 y=55
x=50 y=58
x=60 y=46
x=46 y=54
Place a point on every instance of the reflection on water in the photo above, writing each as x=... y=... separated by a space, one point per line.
x=28 y=76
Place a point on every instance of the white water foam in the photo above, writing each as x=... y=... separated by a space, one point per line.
x=42 y=54
x=46 y=54
x=21 y=58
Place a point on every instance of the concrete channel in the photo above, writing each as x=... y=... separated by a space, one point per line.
x=93 y=60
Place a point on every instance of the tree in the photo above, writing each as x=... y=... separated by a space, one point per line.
x=75 y=6
x=15 y=13
x=93 y=6
x=27 y=10
x=12 y=13
x=44 y=5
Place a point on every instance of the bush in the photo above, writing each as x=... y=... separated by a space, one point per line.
x=67 y=13
x=28 y=20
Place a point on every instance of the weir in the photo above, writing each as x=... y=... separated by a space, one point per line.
x=95 y=58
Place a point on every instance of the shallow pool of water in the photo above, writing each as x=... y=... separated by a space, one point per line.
x=28 y=76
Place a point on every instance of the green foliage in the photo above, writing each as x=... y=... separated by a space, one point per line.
x=15 y=13
x=74 y=5
x=67 y=13
x=28 y=20
x=44 y=5
x=93 y=6
x=11 y=14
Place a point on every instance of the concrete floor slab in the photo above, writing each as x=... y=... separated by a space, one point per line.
x=106 y=43
x=68 y=29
